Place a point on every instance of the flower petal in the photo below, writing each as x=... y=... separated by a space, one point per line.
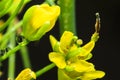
x=89 y=56
x=65 y=41
x=89 y=46
x=80 y=54
x=58 y=59
x=93 y=75
x=54 y=43
x=82 y=66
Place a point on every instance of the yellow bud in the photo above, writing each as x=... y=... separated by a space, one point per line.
x=37 y=17
x=26 y=74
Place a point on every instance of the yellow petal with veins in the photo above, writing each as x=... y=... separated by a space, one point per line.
x=82 y=66
x=93 y=75
x=65 y=41
x=58 y=59
x=89 y=46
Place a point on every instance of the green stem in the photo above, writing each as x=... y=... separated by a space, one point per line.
x=11 y=59
x=12 y=51
x=67 y=16
x=8 y=33
x=4 y=11
x=3 y=44
x=12 y=16
x=45 y=69
x=11 y=66
x=25 y=57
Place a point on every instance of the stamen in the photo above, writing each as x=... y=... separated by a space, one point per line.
x=97 y=24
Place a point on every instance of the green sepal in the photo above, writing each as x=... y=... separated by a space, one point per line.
x=40 y=32
x=95 y=36
x=54 y=43
x=63 y=76
x=26 y=29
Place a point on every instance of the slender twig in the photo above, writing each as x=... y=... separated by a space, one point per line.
x=11 y=59
x=4 y=11
x=67 y=16
x=45 y=69
x=8 y=33
x=11 y=66
x=12 y=16
x=12 y=51
x=25 y=57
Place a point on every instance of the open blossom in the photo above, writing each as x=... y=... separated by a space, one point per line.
x=38 y=20
x=71 y=58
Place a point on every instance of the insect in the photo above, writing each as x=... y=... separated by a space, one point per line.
x=26 y=74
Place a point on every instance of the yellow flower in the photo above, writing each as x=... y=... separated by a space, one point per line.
x=38 y=20
x=26 y=74
x=70 y=57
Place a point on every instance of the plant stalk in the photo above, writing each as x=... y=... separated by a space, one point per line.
x=67 y=16
x=11 y=60
x=45 y=69
x=12 y=16
x=12 y=51
x=25 y=57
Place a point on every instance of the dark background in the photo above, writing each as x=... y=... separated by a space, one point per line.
x=106 y=52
